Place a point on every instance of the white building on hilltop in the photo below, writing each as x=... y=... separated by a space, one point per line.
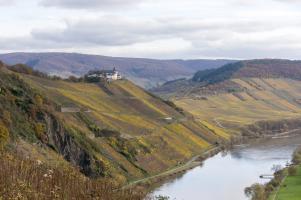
x=107 y=74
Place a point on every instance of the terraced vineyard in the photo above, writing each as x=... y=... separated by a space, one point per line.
x=130 y=133
x=258 y=100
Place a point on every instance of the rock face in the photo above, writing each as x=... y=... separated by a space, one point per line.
x=64 y=144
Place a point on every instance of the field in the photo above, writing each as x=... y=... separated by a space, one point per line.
x=291 y=188
x=261 y=99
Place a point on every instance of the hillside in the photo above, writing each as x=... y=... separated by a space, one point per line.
x=144 y=72
x=115 y=130
x=242 y=95
x=217 y=80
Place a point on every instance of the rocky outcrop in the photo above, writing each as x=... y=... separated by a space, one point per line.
x=65 y=144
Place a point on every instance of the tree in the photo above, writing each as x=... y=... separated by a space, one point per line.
x=4 y=135
x=39 y=100
x=297 y=157
x=255 y=192
x=292 y=170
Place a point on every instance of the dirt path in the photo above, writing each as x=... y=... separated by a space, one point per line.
x=193 y=162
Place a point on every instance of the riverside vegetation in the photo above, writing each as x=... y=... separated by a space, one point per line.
x=286 y=184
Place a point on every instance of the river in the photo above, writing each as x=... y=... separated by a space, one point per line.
x=225 y=176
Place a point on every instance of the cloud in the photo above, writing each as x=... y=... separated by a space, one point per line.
x=166 y=37
x=6 y=2
x=160 y=29
x=120 y=31
x=88 y=4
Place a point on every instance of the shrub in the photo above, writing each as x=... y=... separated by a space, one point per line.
x=174 y=106
x=297 y=157
x=4 y=135
x=39 y=130
x=6 y=118
x=39 y=100
x=292 y=170
x=27 y=179
x=256 y=192
x=24 y=69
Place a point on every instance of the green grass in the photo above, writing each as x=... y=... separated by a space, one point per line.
x=290 y=188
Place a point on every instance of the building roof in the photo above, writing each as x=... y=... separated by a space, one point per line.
x=102 y=71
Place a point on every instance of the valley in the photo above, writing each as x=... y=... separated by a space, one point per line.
x=115 y=130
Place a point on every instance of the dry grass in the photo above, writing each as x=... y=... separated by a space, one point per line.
x=27 y=179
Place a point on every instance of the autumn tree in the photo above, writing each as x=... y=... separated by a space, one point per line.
x=39 y=100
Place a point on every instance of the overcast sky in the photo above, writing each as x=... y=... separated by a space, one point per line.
x=154 y=28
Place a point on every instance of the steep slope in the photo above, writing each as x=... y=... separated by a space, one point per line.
x=115 y=130
x=240 y=95
x=145 y=72
x=216 y=80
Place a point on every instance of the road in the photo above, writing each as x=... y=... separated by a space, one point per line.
x=188 y=165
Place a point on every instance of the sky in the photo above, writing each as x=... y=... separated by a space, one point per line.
x=163 y=29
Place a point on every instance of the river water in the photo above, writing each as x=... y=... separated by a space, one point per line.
x=225 y=176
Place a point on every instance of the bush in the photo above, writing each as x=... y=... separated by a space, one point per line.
x=40 y=130
x=292 y=171
x=6 y=118
x=39 y=100
x=24 y=69
x=297 y=157
x=256 y=192
x=4 y=135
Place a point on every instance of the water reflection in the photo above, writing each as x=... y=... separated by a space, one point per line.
x=225 y=175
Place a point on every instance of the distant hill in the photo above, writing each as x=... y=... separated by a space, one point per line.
x=144 y=72
x=252 y=97
x=210 y=80
x=253 y=68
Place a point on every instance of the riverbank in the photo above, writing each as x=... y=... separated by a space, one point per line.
x=273 y=129
x=230 y=172
x=290 y=186
x=152 y=181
